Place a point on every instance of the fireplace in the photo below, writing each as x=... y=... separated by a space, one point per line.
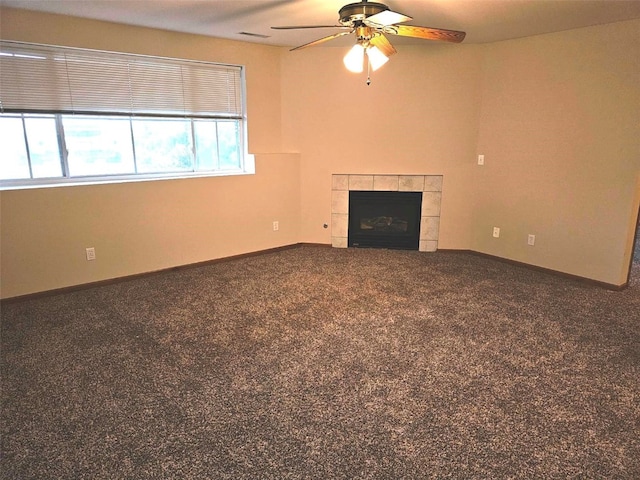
x=384 y=219
x=430 y=186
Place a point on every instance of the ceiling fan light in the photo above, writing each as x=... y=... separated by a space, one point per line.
x=376 y=57
x=354 y=59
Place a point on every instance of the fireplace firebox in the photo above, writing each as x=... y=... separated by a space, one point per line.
x=384 y=219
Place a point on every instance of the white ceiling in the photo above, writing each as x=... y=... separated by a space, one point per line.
x=483 y=20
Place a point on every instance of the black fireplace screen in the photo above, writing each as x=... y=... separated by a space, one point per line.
x=384 y=219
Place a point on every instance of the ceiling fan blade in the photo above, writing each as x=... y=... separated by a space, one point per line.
x=321 y=40
x=383 y=44
x=426 y=33
x=293 y=27
x=386 y=18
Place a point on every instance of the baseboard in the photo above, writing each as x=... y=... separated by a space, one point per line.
x=597 y=283
x=111 y=281
x=100 y=283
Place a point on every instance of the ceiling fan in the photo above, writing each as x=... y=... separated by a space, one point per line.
x=371 y=22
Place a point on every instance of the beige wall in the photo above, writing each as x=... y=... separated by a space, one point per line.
x=555 y=115
x=418 y=116
x=146 y=226
x=560 y=131
x=143 y=226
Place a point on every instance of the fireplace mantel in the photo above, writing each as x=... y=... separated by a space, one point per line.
x=430 y=185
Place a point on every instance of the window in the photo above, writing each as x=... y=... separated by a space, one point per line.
x=71 y=116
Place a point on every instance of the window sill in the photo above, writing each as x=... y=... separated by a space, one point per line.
x=6 y=185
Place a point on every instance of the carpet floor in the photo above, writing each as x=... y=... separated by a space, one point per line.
x=319 y=363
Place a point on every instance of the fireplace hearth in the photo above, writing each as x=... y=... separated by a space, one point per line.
x=384 y=219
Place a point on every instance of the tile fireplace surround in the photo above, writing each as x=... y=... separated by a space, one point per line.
x=429 y=185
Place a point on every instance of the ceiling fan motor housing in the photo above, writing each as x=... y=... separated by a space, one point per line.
x=357 y=12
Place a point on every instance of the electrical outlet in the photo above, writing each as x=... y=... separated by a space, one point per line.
x=276 y=226
x=496 y=232
x=531 y=240
x=480 y=159
x=91 y=253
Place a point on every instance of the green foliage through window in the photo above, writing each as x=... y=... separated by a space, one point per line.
x=49 y=146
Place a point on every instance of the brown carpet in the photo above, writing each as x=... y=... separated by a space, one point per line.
x=319 y=363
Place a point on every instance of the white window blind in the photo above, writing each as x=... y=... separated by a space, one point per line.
x=39 y=78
